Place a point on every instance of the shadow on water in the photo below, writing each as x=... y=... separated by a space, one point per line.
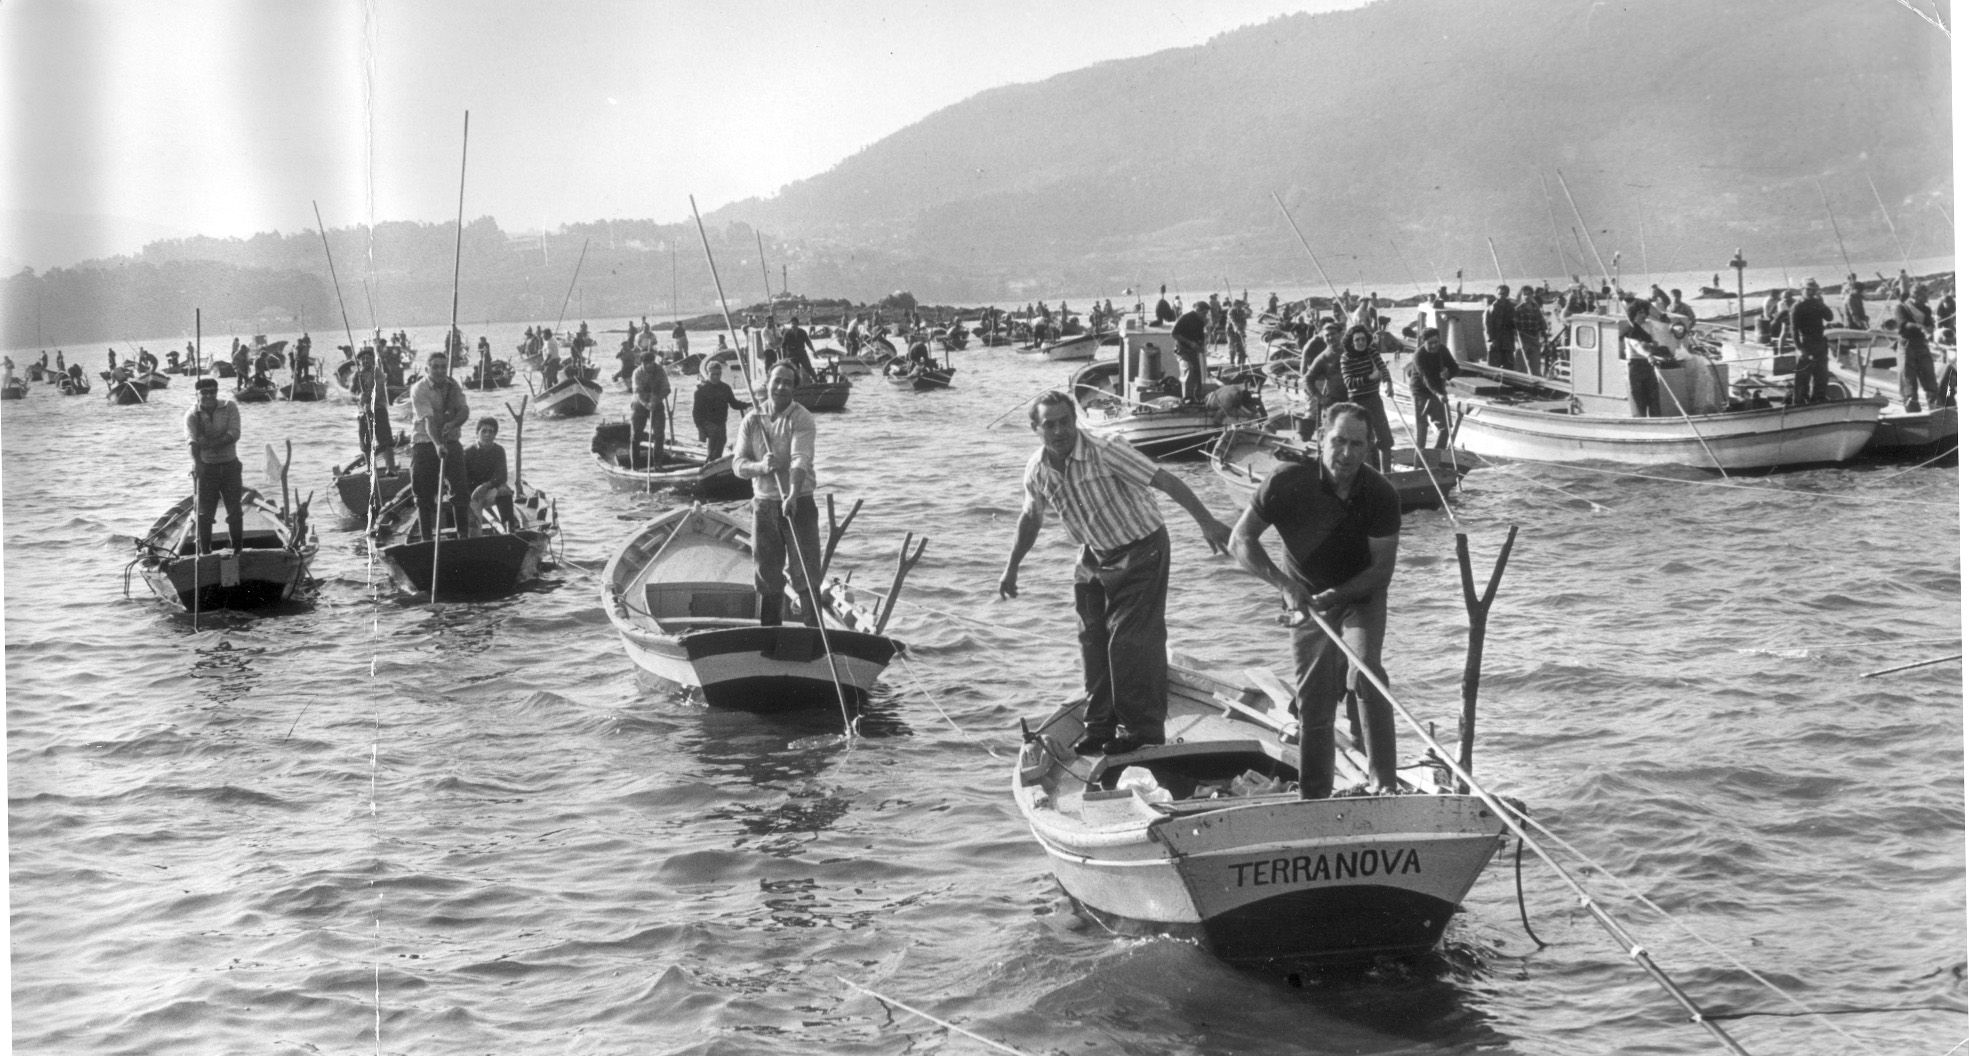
x=226 y=671
x=1174 y=989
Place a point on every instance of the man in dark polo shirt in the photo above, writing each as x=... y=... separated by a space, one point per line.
x=1339 y=522
x=1191 y=331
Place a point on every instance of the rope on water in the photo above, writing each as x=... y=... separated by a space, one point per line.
x=1644 y=900
x=920 y=688
x=944 y=1023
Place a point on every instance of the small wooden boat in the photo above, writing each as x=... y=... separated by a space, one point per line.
x=1129 y=397
x=14 y=389
x=918 y=378
x=1205 y=837
x=1243 y=456
x=1584 y=412
x=490 y=374
x=681 y=469
x=258 y=389
x=681 y=595
x=826 y=392
x=305 y=390
x=266 y=566
x=457 y=564
x=75 y=384
x=156 y=379
x=126 y=392
x=353 y=484
x=571 y=397
x=1068 y=349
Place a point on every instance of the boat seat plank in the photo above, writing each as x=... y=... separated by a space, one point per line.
x=253 y=539
x=704 y=599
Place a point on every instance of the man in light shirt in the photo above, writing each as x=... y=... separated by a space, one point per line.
x=212 y=430
x=438 y=404
x=776 y=453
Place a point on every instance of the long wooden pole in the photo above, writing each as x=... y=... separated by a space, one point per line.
x=1823 y=200
x=1604 y=273
x=1887 y=216
x=570 y=287
x=1308 y=247
x=339 y=302
x=437 y=429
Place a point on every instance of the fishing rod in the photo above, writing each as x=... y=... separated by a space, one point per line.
x=1494 y=262
x=1558 y=247
x=813 y=589
x=326 y=252
x=1410 y=271
x=1887 y=216
x=437 y=429
x=570 y=283
x=1823 y=200
x=1604 y=273
x=1309 y=249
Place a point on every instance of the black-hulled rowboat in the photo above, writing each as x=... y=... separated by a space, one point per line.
x=681 y=595
x=266 y=566
x=680 y=469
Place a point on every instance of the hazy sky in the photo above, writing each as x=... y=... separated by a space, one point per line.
x=229 y=117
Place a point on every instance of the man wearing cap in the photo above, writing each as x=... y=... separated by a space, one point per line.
x=1809 y=318
x=710 y=407
x=212 y=430
x=795 y=346
x=1428 y=387
x=1530 y=325
x=440 y=412
x=1915 y=321
x=651 y=386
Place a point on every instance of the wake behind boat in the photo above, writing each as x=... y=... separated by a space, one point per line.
x=681 y=596
x=1206 y=837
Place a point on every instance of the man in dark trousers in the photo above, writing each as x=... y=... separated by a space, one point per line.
x=650 y=388
x=1428 y=387
x=1809 y=318
x=212 y=431
x=709 y=407
x=1191 y=331
x=1339 y=523
x=1104 y=492
x=1501 y=328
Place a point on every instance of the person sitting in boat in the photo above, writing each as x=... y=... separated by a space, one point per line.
x=919 y=359
x=212 y=431
x=709 y=407
x=1103 y=491
x=485 y=475
x=1339 y=524
x=1428 y=387
x=650 y=388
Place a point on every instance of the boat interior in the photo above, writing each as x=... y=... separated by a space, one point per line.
x=252 y=539
x=695 y=576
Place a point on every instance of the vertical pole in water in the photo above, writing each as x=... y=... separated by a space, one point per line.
x=437 y=429
x=1473 y=662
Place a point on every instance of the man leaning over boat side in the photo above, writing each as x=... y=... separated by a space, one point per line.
x=1103 y=492
x=1339 y=524
x=439 y=411
x=212 y=430
x=776 y=453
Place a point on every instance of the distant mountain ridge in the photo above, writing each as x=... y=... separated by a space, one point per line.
x=1406 y=133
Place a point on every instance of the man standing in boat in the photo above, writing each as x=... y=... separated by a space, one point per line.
x=650 y=386
x=1501 y=328
x=1339 y=523
x=1809 y=318
x=776 y=453
x=212 y=430
x=1191 y=332
x=1428 y=387
x=1103 y=491
x=438 y=404
x=710 y=405
x=372 y=396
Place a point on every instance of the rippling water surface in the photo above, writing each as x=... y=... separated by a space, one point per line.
x=380 y=826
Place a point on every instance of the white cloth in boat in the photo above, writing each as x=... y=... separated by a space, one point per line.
x=1103 y=496
x=788 y=434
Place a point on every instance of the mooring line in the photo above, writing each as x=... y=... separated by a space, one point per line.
x=944 y=1023
x=920 y=688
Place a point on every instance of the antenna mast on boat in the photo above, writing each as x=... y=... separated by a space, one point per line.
x=1604 y=273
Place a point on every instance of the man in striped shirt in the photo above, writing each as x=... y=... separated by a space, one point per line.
x=1102 y=491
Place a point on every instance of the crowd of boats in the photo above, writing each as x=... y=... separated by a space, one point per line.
x=1204 y=834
